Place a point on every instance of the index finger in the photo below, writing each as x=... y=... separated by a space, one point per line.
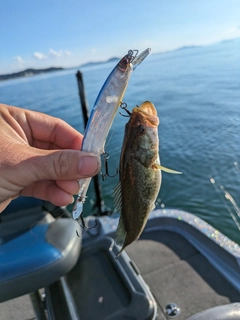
x=46 y=132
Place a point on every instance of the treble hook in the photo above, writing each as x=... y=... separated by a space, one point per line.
x=106 y=156
x=123 y=105
x=83 y=225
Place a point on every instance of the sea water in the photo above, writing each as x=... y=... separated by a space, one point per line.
x=196 y=91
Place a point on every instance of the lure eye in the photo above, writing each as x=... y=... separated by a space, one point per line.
x=123 y=64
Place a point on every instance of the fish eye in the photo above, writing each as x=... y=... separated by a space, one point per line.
x=141 y=128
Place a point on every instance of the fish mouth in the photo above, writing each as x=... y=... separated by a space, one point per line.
x=149 y=112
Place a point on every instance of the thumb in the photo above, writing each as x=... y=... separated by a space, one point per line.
x=32 y=172
x=60 y=165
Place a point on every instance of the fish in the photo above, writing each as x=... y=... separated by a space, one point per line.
x=103 y=114
x=139 y=174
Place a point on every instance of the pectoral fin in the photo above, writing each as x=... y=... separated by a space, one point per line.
x=158 y=166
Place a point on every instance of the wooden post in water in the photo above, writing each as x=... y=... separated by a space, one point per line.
x=82 y=96
x=83 y=101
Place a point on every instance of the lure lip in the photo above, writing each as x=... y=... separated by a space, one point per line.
x=139 y=59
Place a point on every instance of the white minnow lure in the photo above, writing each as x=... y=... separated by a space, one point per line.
x=103 y=113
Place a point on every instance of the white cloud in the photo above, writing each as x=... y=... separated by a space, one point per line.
x=67 y=53
x=55 y=53
x=40 y=56
x=19 y=59
x=59 y=53
x=42 y=59
x=93 y=51
x=233 y=32
x=52 y=54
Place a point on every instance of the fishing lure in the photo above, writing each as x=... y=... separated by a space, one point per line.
x=103 y=113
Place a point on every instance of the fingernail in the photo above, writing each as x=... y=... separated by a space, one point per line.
x=72 y=200
x=89 y=166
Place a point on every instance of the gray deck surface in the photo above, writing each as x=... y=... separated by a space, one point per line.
x=175 y=272
x=17 y=309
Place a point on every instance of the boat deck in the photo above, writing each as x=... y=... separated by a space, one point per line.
x=17 y=309
x=175 y=272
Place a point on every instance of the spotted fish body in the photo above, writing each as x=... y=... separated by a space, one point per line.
x=140 y=174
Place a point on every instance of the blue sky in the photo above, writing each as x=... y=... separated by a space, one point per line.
x=43 y=33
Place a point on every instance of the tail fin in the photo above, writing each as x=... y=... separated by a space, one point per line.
x=121 y=236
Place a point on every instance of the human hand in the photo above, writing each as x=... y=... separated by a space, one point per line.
x=40 y=157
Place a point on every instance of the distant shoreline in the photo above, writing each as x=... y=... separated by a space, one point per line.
x=28 y=73
x=32 y=72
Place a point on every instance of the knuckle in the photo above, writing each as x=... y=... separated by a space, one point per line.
x=62 y=165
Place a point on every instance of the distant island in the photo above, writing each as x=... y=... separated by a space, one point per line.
x=89 y=64
x=186 y=47
x=27 y=73
x=33 y=72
